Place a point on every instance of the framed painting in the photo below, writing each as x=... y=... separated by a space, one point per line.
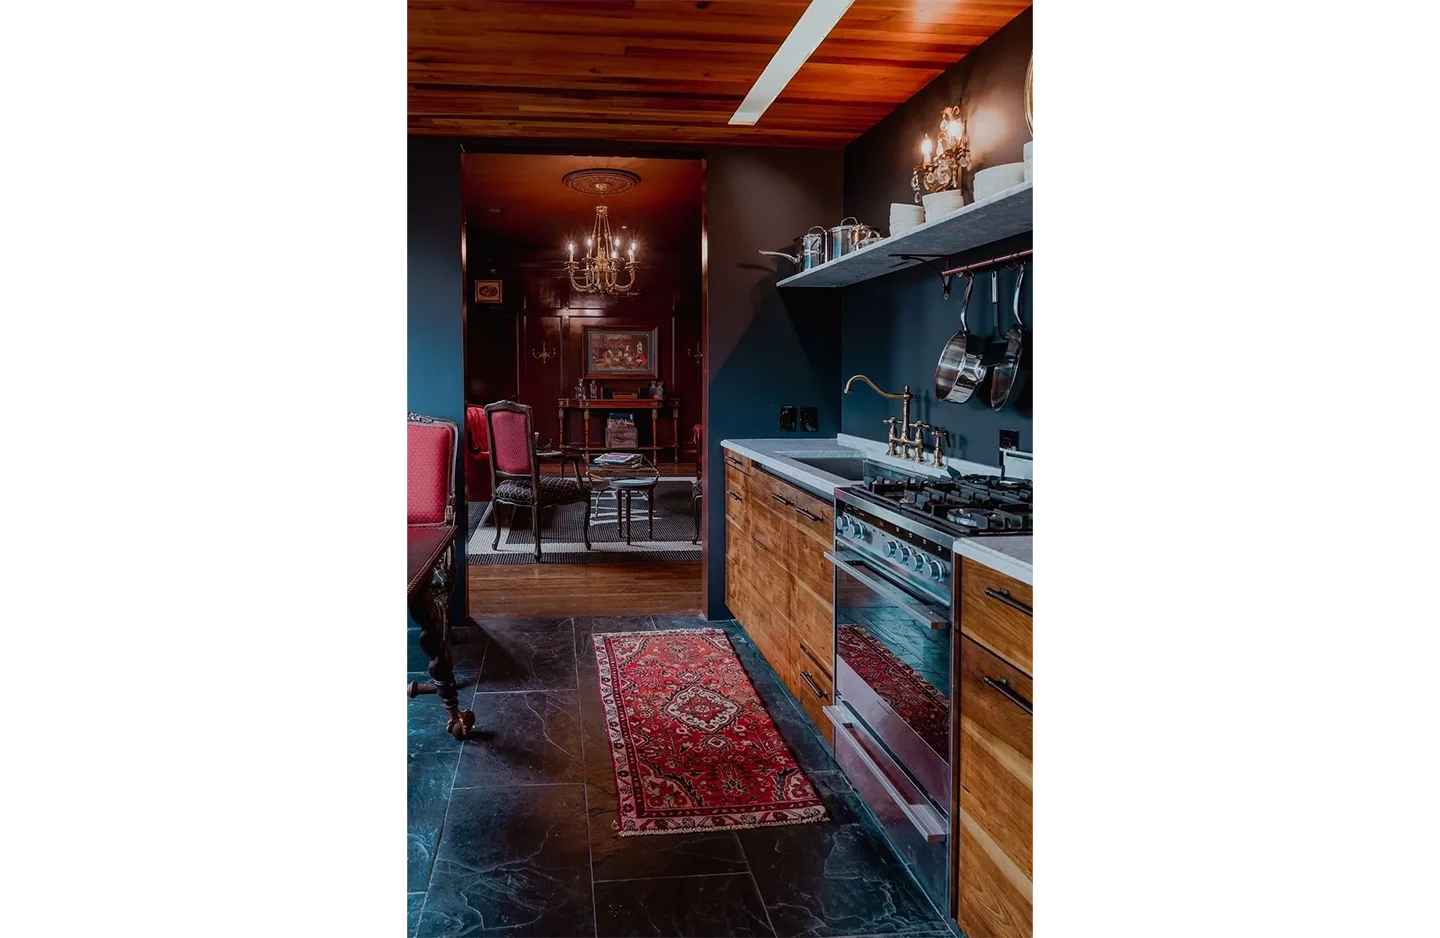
x=620 y=353
x=489 y=291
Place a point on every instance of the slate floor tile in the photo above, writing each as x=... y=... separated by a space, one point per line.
x=616 y=857
x=525 y=738
x=413 y=902
x=429 y=777
x=512 y=861
x=684 y=906
x=535 y=654
x=833 y=879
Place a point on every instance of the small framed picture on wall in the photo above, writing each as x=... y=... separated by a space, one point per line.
x=489 y=291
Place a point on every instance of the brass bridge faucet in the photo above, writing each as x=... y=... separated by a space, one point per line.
x=902 y=440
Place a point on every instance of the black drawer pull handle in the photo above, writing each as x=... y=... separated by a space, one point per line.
x=1010 y=694
x=807 y=514
x=1005 y=597
x=809 y=679
x=781 y=499
x=733 y=494
x=736 y=463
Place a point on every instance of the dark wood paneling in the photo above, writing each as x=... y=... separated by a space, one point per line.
x=667 y=71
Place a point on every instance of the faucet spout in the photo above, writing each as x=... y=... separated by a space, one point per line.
x=878 y=390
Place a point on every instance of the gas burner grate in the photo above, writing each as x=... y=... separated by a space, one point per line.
x=969 y=504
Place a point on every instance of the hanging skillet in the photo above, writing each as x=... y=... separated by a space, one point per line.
x=960 y=369
x=1005 y=370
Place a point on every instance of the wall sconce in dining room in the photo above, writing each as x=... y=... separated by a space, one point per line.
x=696 y=353
x=544 y=354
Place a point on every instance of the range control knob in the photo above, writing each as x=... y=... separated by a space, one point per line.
x=904 y=555
x=892 y=548
x=843 y=524
x=938 y=570
x=918 y=561
x=860 y=531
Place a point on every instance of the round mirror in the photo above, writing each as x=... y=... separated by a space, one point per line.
x=1030 y=95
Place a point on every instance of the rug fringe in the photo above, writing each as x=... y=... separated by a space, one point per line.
x=822 y=816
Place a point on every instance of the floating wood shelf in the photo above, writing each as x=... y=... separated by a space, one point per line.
x=979 y=223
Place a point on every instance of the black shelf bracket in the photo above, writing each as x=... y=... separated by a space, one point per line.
x=929 y=261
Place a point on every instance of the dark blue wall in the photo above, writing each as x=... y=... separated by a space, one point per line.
x=765 y=347
x=894 y=328
x=435 y=342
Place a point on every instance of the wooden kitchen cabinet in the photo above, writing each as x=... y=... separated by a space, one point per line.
x=777 y=581
x=992 y=825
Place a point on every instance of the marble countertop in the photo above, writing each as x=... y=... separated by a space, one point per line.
x=1011 y=556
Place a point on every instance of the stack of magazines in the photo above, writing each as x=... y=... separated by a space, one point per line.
x=618 y=459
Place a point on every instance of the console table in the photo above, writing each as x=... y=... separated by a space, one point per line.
x=586 y=406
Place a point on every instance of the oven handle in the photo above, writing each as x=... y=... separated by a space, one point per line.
x=936 y=618
x=924 y=817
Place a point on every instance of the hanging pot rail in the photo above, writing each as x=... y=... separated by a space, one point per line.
x=945 y=275
x=992 y=262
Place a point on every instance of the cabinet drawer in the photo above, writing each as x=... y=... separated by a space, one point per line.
x=737 y=499
x=995 y=888
x=811 y=684
x=994 y=612
x=812 y=620
x=808 y=564
x=814 y=518
x=770 y=522
x=736 y=461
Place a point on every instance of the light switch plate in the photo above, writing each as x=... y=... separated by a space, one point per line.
x=809 y=419
x=787 y=418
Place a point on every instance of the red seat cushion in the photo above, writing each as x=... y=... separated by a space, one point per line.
x=428 y=448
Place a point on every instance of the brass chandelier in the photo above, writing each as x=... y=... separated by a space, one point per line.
x=605 y=257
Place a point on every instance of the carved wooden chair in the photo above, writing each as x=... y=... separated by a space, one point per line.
x=432 y=449
x=515 y=478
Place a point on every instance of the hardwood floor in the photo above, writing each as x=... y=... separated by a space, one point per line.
x=584 y=589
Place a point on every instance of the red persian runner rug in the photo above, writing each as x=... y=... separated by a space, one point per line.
x=914 y=700
x=692 y=745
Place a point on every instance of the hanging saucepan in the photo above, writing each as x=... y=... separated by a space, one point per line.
x=847 y=238
x=812 y=250
x=961 y=367
x=1009 y=346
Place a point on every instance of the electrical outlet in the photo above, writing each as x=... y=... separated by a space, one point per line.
x=787 y=418
x=809 y=419
x=1009 y=439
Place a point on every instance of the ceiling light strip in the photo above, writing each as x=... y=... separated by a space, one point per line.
x=814 y=25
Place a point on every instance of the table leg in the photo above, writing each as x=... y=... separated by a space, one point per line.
x=654 y=433
x=562 y=429
x=430 y=607
x=629 y=513
x=585 y=412
x=650 y=510
x=675 y=416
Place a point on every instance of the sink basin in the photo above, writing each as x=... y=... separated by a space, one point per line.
x=846 y=467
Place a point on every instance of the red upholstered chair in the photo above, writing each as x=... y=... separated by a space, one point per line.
x=515 y=478
x=431 y=449
x=477 y=454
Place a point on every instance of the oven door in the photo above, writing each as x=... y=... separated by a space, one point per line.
x=892 y=668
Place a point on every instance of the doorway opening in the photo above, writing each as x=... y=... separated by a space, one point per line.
x=584 y=334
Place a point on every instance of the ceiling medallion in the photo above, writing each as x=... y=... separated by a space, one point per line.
x=601 y=181
x=604 y=253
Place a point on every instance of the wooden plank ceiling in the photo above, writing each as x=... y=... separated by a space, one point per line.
x=675 y=70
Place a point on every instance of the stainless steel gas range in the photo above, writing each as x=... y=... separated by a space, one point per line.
x=895 y=648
